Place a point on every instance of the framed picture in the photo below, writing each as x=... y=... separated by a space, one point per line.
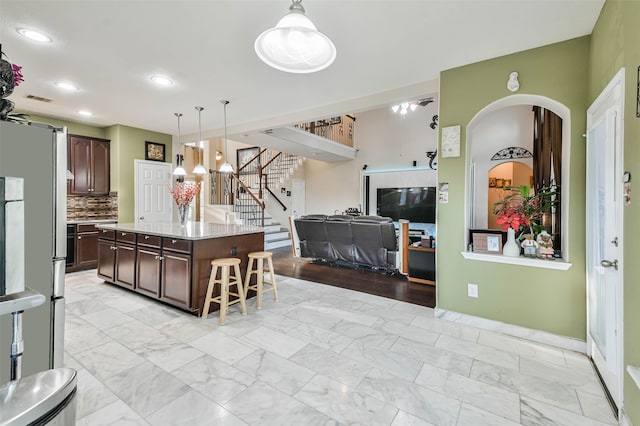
x=492 y=182
x=244 y=157
x=154 y=151
x=488 y=241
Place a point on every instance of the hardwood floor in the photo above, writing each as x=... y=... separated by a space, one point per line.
x=394 y=287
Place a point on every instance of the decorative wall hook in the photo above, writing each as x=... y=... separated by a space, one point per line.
x=431 y=155
x=513 y=84
x=434 y=122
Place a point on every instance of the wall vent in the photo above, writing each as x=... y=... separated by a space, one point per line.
x=38 y=98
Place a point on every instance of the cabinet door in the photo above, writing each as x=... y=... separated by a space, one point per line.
x=100 y=158
x=148 y=271
x=87 y=249
x=175 y=286
x=80 y=165
x=106 y=259
x=125 y=269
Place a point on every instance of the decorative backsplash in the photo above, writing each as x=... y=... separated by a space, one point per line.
x=92 y=208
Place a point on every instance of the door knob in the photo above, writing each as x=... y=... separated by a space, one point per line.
x=609 y=264
x=141 y=217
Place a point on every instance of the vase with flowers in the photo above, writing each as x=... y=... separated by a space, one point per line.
x=520 y=211
x=183 y=194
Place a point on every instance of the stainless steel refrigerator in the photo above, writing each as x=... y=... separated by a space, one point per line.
x=37 y=153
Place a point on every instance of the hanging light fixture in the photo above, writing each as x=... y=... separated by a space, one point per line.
x=226 y=167
x=179 y=171
x=199 y=169
x=294 y=44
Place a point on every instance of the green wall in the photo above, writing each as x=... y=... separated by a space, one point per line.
x=127 y=144
x=615 y=45
x=536 y=298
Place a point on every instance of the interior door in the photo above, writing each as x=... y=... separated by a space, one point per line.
x=604 y=235
x=153 y=202
x=297 y=197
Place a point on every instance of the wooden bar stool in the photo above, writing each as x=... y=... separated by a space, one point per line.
x=226 y=280
x=259 y=257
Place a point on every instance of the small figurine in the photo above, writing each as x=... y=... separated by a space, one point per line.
x=529 y=245
x=545 y=245
x=513 y=84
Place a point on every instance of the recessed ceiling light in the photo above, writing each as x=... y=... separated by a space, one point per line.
x=34 y=35
x=85 y=113
x=162 y=80
x=66 y=86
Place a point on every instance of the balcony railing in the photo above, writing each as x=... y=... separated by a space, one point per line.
x=337 y=129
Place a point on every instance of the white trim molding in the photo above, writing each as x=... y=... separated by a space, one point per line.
x=522 y=261
x=538 y=336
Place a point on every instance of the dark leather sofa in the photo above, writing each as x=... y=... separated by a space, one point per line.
x=353 y=241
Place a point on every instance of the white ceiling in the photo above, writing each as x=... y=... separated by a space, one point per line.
x=387 y=51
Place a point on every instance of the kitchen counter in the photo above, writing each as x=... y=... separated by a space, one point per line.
x=190 y=231
x=171 y=263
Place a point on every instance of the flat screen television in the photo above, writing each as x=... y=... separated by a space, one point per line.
x=416 y=204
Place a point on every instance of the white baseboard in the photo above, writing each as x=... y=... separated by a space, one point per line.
x=624 y=419
x=539 y=336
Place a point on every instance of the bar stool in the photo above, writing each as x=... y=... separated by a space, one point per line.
x=226 y=280
x=259 y=257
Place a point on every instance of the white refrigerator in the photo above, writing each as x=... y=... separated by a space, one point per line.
x=37 y=152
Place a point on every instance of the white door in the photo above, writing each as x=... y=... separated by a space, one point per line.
x=604 y=234
x=297 y=197
x=153 y=202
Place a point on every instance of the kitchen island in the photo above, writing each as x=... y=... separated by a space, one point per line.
x=169 y=262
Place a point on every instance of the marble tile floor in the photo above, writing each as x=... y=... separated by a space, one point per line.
x=321 y=356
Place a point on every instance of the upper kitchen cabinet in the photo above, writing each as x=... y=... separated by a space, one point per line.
x=89 y=161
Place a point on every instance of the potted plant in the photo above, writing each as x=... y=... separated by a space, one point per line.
x=521 y=212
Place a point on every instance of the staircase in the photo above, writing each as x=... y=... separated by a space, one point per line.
x=253 y=183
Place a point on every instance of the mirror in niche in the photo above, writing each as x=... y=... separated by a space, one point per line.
x=502 y=176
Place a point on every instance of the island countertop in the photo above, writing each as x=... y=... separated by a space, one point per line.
x=190 y=231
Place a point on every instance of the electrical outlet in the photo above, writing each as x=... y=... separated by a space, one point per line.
x=472 y=290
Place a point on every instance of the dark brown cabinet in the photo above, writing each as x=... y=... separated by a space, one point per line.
x=89 y=161
x=83 y=246
x=149 y=265
x=175 y=286
x=125 y=262
x=86 y=246
x=106 y=259
x=422 y=265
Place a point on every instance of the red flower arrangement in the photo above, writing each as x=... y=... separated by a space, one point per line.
x=17 y=74
x=520 y=209
x=184 y=192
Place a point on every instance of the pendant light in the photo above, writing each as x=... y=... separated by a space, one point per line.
x=179 y=171
x=294 y=44
x=199 y=169
x=226 y=167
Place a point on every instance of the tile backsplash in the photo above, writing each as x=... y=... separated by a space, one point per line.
x=92 y=208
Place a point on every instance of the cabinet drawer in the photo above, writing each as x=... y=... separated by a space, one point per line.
x=107 y=234
x=176 y=245
x=87 y=227
x=122 y=236
x=149 y=240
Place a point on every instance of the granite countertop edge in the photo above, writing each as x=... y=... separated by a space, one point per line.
x=190 y=231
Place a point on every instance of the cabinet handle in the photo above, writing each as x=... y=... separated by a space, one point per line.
x=114 y=248
x=146 y=237
x=174 y=241
x=157 y=257
x=79 y=237
x=104 y=231
x=123 y=234
x=161 y=258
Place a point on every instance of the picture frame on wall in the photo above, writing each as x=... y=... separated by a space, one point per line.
x=244 y=157
x=487 y=241
x=154 y=151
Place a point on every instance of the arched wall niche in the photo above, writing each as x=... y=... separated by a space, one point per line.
x=494 y=127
